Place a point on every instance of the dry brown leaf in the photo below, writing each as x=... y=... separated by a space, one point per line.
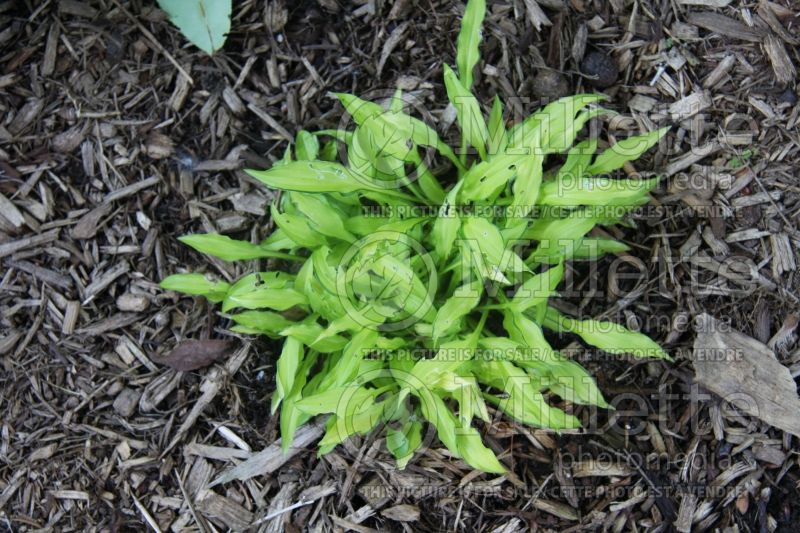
x=191 y=355
x=742 y=370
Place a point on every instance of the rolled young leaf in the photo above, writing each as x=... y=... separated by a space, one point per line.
x=306 y=146
x=468 y=112
x=447 y=224
x=286 y=370
x=402 y=443
x=498 y=137
x=467 y=53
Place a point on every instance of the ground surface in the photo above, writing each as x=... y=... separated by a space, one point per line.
x=108 y=152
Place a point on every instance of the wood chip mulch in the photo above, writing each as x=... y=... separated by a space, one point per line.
x=116 y=136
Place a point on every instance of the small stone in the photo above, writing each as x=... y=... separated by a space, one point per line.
x=132 y=302
x=600 y=68
x=126 y=401
x=115 y=388
x=140 y=48
x=550 y=84
x=231 y=222
x=162 y=319
x=143 y=220
x=254 y=203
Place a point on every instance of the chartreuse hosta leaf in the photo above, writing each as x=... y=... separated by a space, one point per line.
x=578 y=159
x=585 y=249
x=498 y=137
x=196 y=284
x=411 y=128
x=291 y=415
x=347 y=367
x=298 y=229
x=599 y=192
x=434 y=409
x=446 y=225
x=486 y=178
x=410 y=288
x=544 y=131
x=526 y=186
x=596 y=247
x=329 y=401
x=474 y=452
x=562 y=237
x=521 y=399
x=286 y=370
x=563 y=377
x=309 y=332
x=536 y=290
x=467 y=53
x=623 y=151
x=487 y=236
x=490 y=250
x=608 y=336
x=468 y=112
x=260 y=322
x=272 y=290
x=322 y=217
x=404 y=441
x=228 y=249
x=309 y=176
x=306 y=146
x=463 y=301
x=352 y=418
x=439 y=372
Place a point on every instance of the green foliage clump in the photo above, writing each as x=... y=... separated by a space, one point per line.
x=419 y=296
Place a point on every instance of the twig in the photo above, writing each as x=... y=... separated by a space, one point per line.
x=189 y=503
x=301 y=503
x=145 y=513
x=154 y=41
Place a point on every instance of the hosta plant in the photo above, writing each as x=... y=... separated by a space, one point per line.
x=411 y=285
